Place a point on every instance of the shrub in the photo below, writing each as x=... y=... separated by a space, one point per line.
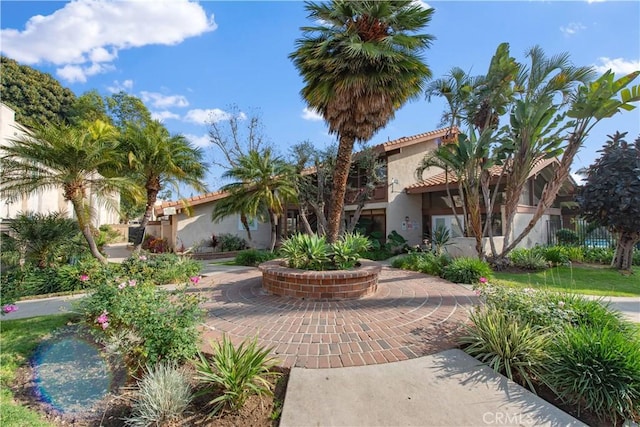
x=597 y=368
x=424 y=262
x=466 y=270
x=107 y=234
x=163 y=395
x=160 y=269
x=254 y=257
x=378 y=254
x=237 y=372
x=230 y=242
x=598 y=255
x=527 y=259
x=566 y=236
x=143 y=323
x=575 y=253
x=556 y=255
x=515 y=349
x=306 y=251
x=347 y=250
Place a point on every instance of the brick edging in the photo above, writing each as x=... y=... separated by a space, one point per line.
x=278 y=279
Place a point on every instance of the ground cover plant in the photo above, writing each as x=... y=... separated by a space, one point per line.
x=580 y=351
x=254 y=257
x=459 y=270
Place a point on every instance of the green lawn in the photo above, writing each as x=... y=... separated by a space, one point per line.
x=18 y=340
x=580 y=279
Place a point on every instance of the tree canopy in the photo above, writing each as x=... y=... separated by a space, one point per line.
x=611 y=195
x=36 y=97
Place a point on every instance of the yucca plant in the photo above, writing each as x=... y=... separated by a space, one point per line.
x=163 y=395
x=512 y=348
x=236 y=372
x=347 y=251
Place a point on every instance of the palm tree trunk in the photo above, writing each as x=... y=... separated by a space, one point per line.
x=624 y=251
x=274 y=220
x=340 y=175
x=85 y=228
x=153 y=188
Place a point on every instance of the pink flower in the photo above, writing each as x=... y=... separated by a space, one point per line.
x=132 y=282
x=561 y=304
x=104 y=325
x=142 y=258
x=102 y=319
x=84 y=277
x=477 y=291
x=9 y=308
x=195 y=279
x=122 y=285
x=483 y=280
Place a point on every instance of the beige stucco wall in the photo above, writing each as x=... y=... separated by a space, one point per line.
x=45 y=201
x=402 y=167
x=537 y=236
x=193 y=229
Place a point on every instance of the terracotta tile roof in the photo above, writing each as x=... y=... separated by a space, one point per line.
x=441 y=178
x=191 y=201
x=415 y=139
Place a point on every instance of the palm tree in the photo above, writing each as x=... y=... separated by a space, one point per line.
x=359 y=65
x=157 y=158
x=536 y=126
x=66 y=157
x=263 y=185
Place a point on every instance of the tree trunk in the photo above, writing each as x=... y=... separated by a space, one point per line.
x=552 y=187
x=340 y=175
x=305 y=220
x=153 y=188
x=247 y=228
x=624 y=251
x=475 y=221
x=274 y=232
x=85 y=228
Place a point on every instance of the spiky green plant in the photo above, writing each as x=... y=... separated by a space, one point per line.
x=233 y=373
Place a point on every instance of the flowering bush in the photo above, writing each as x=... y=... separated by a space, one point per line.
x=9 y=308
x=145 y=324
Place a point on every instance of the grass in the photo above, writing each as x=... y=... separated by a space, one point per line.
x=228 y=262
x=18 y=340
x=579 y=279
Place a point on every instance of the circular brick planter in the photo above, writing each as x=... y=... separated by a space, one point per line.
x=278 y=279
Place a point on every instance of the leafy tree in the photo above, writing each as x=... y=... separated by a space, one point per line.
x=359 y=64
x=157 y=158
x=87 y=108
x=263 y=186
x=125 y=109
x=36 y=97
x=69 y=158
x=611 y=195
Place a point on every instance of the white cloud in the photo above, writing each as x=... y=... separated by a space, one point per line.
x=422 y=4
x=159 y=100
x=618 y=65
x=595 y=1
x=86 y=33
x=311 y=114
x=79 y=73
x=572 y=28
x=198 y=141
x=164 y=115
x=125 y=86
x=206 y=116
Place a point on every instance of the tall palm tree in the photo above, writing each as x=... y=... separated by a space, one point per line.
x=359 y=65
x=157 y=158
x=264 y=184
x=66 y=157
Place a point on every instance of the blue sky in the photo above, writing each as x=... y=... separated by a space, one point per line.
x=191 y=61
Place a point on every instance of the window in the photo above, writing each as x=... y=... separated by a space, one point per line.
x=449 y=222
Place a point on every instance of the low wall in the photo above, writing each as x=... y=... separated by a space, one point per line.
x=280 y=280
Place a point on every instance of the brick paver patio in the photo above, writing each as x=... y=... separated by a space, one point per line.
x=410 y=315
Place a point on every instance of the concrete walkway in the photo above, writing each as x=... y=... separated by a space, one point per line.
x=449 y=388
